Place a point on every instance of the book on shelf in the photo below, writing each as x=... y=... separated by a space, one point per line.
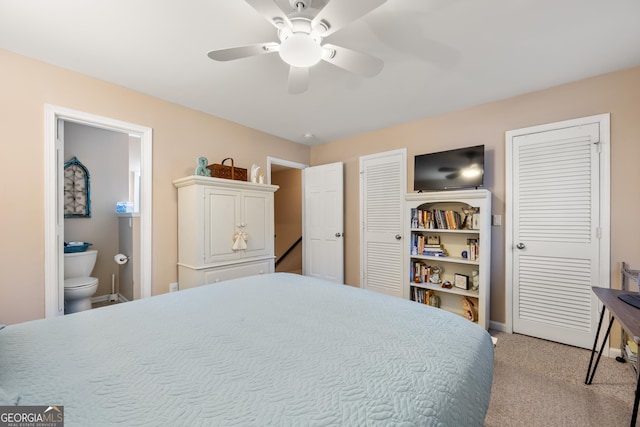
x=421 y=218
x=472 y=249
x=425 y=296
x=441 y=252
x=419 y=246
x=421 y=271
x=435 y=219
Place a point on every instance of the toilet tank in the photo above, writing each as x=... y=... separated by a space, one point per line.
x=79 y=264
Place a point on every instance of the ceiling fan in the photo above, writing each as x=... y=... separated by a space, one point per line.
x=301 y=38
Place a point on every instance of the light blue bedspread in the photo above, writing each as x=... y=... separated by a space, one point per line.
x=278 y=350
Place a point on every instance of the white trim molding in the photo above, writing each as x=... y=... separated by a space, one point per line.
x=52 y=209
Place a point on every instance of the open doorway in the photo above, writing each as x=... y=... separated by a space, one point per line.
x=141 y=138
x=112 y=159
x=288 y=241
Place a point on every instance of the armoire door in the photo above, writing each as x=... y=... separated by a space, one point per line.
x=256 y=219
x=555 y=242
x=383 y=183
x=221 y=220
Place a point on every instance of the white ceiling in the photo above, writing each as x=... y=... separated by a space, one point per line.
x=440 y=55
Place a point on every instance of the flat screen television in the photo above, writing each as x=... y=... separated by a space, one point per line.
x=448 y=170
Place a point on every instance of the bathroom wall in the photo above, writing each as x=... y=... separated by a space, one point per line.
x=106 y=155
x=135 y=160
x=128 y=237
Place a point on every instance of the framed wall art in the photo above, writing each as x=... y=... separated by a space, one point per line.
x=77 y=193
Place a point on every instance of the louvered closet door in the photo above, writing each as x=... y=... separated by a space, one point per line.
x=555 y=234
x=383 y=183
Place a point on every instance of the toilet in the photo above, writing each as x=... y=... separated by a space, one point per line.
x=79 y=287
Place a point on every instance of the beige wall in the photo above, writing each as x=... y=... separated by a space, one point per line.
x=179 y=136
x=616 y=93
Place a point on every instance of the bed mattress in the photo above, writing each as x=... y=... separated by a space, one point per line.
x=277 y=349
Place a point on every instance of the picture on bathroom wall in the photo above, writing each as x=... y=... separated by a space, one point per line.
x=77 y=195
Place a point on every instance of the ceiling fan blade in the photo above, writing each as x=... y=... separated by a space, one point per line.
x=350 y=60
x=270 y=11
x=243 y=51
x=338 y=13
x=298 y=79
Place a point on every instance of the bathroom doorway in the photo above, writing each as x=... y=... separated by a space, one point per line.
x=112 y=159
x=138 y=140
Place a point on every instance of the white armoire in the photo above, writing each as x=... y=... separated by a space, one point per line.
x=225 y=230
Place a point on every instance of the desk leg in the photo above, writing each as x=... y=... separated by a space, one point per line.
x=634 y=415
x=595 y=344
x=589 y=380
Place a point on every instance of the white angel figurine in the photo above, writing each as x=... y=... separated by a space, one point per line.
x=240 y=241
x=255 y=171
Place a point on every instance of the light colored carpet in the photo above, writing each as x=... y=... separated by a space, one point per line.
x=541 y=383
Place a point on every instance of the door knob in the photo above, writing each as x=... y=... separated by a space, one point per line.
x=398 y=237
x=338 y=234
x=520 y=246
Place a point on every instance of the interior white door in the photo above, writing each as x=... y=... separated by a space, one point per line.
x=59 y=254
x=383 y=181
x=556 y=233
x=323 y=222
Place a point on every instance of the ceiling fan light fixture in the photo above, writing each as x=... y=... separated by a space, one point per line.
x=300 y=50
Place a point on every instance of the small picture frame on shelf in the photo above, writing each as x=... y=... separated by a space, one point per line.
x=461 y=281
x=433 y=240
x=475 y=221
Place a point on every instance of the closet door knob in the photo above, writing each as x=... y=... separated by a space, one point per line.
x=398 y=237
x=520 y=246
x=338 y=234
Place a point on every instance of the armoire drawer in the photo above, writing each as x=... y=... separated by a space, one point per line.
x=236 y=271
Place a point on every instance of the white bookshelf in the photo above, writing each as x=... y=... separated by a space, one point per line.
x=453 y=241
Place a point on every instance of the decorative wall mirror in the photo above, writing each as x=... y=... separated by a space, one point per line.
x=77 y=197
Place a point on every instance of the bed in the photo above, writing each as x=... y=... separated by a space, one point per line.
x=277 y=349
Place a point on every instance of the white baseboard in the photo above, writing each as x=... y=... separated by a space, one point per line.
x=497 y=326
x=103 y=298
x=614 y=352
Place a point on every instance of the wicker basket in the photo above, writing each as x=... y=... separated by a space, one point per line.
x=227 y=172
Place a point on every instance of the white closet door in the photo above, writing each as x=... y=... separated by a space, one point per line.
x=556 y=230
x=382 y=189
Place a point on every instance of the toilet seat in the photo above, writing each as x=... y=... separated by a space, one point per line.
x=80 y=282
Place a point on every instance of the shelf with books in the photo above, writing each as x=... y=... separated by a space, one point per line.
x=439 y=288
x=437 y=258
x=449 y=234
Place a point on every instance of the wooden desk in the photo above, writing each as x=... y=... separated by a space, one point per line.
x=629 y=318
